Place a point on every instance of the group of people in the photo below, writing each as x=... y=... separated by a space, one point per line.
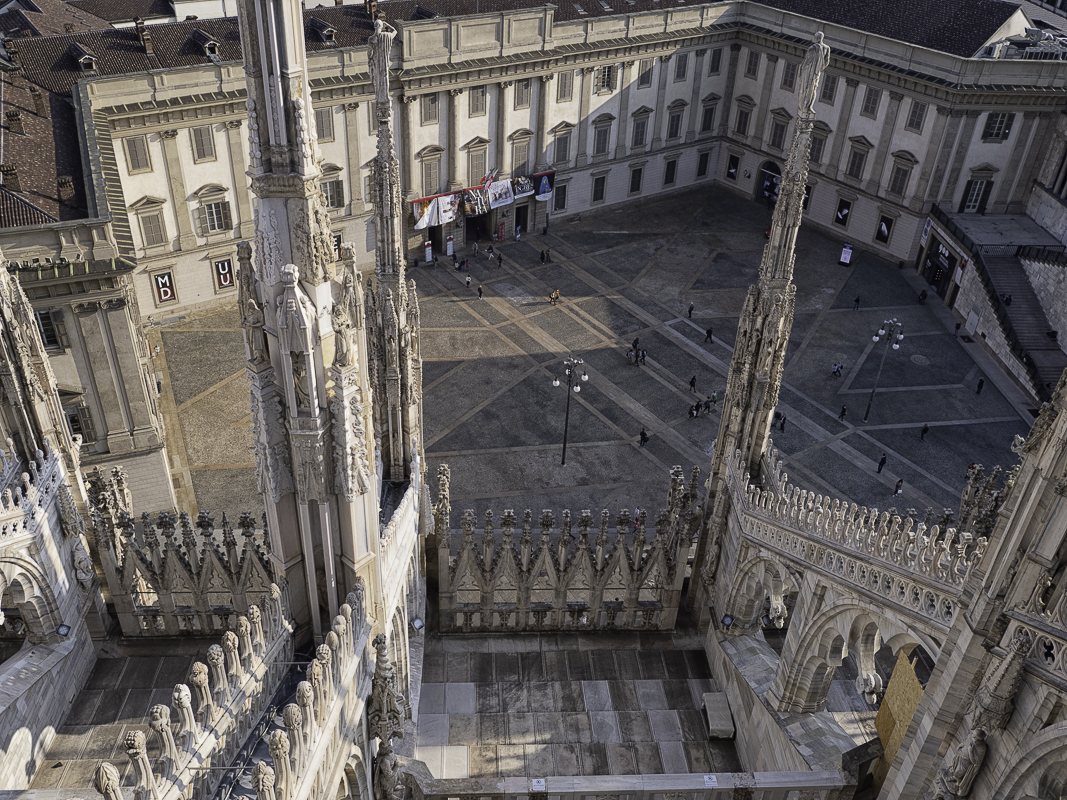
x=705 y=406
x=835 y=370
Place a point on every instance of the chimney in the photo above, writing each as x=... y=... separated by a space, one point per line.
x=338 y=2
x=68 y=27
x=13 y=52
x=11 y=177
x=66 y=188
x=14 y=122
x=144 y=35
x=40 y=103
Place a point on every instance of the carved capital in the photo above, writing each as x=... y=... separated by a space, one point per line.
x=171 y=134
x=1030 y=114
x=735 y=48
x=957 y=113
x=548 y=77
x=88 y=307
x=455 y=92
x=852 y=83
x=628 y=64
x=352 y=106
x=587 y=70
x=234 y=124
x=896 y=97
x=974 y=113
x=944 y=111
x=702 y=52
x=666 y=57
x=772 y=58
x=407 y=98
x=504 y=85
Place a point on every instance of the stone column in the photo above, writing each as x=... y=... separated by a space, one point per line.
x=240 y=187
x=407 y=158
x=728 y=92
x=118 y=335
x=963 y=144
x=659 y=115
x=355 y=173
x=541 y=157
x=694 y=96
x=585 y=100
x=918 y=199
x=453 y=145
x=834 y=164
x=502 y=128
x=624 y=109
x=186 y=235
x=884 y=138
x=109 y=387
x=1013 y=172
x=764 y=100
x=945 y=152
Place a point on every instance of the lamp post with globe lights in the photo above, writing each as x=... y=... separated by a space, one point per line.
x=570 y=367
x=893 y=332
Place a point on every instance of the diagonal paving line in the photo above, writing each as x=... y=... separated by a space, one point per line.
x=211 y=390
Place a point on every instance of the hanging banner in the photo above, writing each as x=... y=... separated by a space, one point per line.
x=500 y=194
x=523 y=187
x=476 y=201
x=430 y=215
x=447 y=208
x=544 y=183
x=846 y=255
x=435 y=210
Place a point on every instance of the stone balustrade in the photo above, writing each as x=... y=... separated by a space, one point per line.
x=26 y=495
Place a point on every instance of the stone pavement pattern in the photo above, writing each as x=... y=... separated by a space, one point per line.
x=631 y=272
x=569 y=704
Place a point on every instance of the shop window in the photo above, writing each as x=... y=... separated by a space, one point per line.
x=600 y=183
x=565 y=86
x=670 y=172
x=732 y=165
x=334 y=191
x=522 y=94
x=53 y=332
x=844 y=210
x=644 y=75
x=137 y=158
x=559 y=197
x=562 y=148
x=635 y=179
x=203 y=143
x=752 y=64
x=884 y=230
x=871 y=98
x=702 y=164
x=324 y=124
x=789 y=76
x=829 y=89
x=916 y=116
x=429 y=111
x=715 y=61
x=681 y=66
x=707 y=119
x=998 y=127
x=477 y=101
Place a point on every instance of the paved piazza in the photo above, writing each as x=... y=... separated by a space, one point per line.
x=492 y=413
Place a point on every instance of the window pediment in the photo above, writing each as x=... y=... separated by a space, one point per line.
x=328 y=169
x=604 y=119
x=745 y=100
x=983 y=171
x=781 y=114
x=711 y=99
x=521 y=133
x=822 y=127
x=146 y=202
x=643 y=111
x=562 y=128
x=677 y=104
x=905 y=157
x=429 y=151
x=861 y=141
x=211 y=190
x=476 y=142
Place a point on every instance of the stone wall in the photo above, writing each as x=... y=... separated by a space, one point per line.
x=37 y=687
x=1050 y=286
x=1048 y=211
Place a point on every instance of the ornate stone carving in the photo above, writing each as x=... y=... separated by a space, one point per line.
x=160 y=723
x=106 y=780
x=816 y=60
x=956 y=777
x=385 y=708
x=137 y=750
x=279 y=752
x=296 y=315
x=198 y=677
x=263 y=781
x=267 y=248
x=83 y=564
x=995 y=700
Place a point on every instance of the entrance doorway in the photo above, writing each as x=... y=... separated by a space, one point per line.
x=522 y=218
x=939 y=266
x=768 y=183
x=478 y=228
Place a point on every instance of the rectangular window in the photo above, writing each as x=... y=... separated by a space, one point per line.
x=53 y=334
x=475 y=167
x=998 y=126
x=707 y=119
x=223 y=272
x=152 y=230
x=871 y=98
x=368 y=196
x=522 y=94
x=732 y=165
x=972 y=199
x=599 y=185
x=829 y=88
x=857 y=159
x=916 y=116
x=898 y=184
x=818 y=144
x=372 y=118
x=752 y=64
x=520 y=158
x=715 y=61
x=137 y=158
x=559 y=197
x=844 y=208
x=681 y=66
x=336 y=247
x=163 y=286
x=702 y=164
x=777 y=134
x=644 y=76
x=563 y=148
x=215 y=217
x=477 y=101
x=334 y=191
x=565 y=86
x=601 y=139
x=789 y=76
x=635 y=180
x=670 y=172
x=674 y=125
x=885 y=230
x=81 y=423
x=203 y=143
x=431 y=176
x=742 y=121
x=605 y=79
x=640 y=128
x=428 y=105
x=324 y=124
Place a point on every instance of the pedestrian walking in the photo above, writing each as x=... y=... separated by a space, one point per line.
x=956 y=332
x=714 y=398
x=693 y=384
x=629 y=356
x=474 y=248
x=924 y=431
x=455 y=260
x=499 y=260
x=900 y=487
x=554 y=297
x=707 y=336
x=468 y=281
x=435 y=262
x=542 y=256
x=841 y=416
x=518 y=232
x=781 y=427
x=636 y=343
x=548 y=255
x=479 y=292
x=856 y=303
x=981 y=383
x=696 y=409
x=691 y=307
x=644 y=354
x=691 y=414
x=881 y=462
x=643 y=437
x=707 y=405
x=489 y=253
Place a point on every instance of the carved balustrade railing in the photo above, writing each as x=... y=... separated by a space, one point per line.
x=916 y=569
x=1047 y=655
x=26 y=495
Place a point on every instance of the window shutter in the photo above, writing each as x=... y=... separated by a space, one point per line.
x=61 y=329
x=227 y=221
x=966 y=194
x=86 y=420
x=985 y=196
x=1007 y=126
x=990 y=123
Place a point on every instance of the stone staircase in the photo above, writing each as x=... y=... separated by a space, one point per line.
x=1027 y=318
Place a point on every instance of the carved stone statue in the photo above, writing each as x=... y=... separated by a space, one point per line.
x=83 y=564
x=385 y=709
x=300 y=385
x=816 y=60
x=957 y=776
x=380 y=43
x=198 y=677
x=387 y=784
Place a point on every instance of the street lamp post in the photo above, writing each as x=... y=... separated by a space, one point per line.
x=570 y=367
x=894 y=333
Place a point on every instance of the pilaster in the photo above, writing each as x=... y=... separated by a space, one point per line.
x=1029 y=176
x=186 y=236
x=355 y=164
x=694 y=96
x=234 y=137
x=841 y=134
x=659 y=116
x=764 y=100
x=453 y=96
x=406 y=155
x=963 y=144
x=728 y=97
x=932 y=148
x=945 y=153
x=541 y=157
x=1013 y=174
x=624 y=110
x=884 y=138
x=586 y=99
x=502 y=128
